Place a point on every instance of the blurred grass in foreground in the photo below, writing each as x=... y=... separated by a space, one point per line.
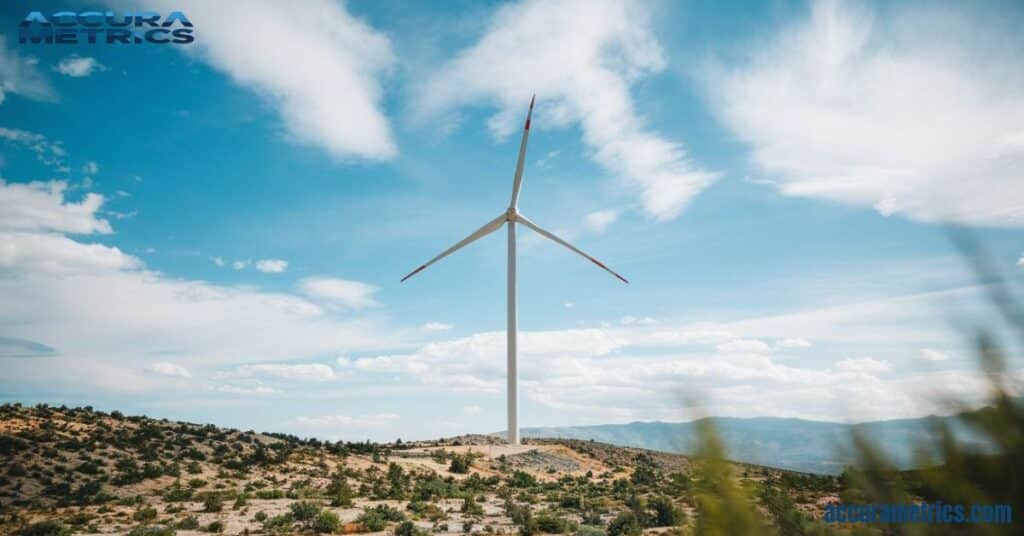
x=947 y=470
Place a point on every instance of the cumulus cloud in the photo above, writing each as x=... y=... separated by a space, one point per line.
x=477 y=362
x=303 y=372
x=581 y=58
x=166 y=368
x=862 y=364
x=77 y=66
x=19 y=75
x=598 y=221
x=437 y=326
x=257 y=389
x=743 y=346
x=271 y=266
x=101 y=306
x=321 y=71
x=932 y=355
x=915 y=113
x=332 y=421
x=793 y=343
x=641 y=320
x=90 y=168
x=217 y=261
x=241 y=264
x=57 y=254
x=339 y=292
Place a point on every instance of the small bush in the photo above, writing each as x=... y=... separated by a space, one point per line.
x=552 y=523
x=215 y=527
x=189 y=523
x=326 y=522
x=213 y=502
x=625 y=524
x=46 y=528
x=144 y=515
x=408 y=528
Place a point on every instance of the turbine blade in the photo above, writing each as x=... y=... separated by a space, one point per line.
x=487 y=229
x=547 y=234
x=518 y=181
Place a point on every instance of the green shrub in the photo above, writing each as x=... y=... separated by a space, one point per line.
x=666 y=514
x=46 y=528
x=213 y=502
x=215 y=527
x=408 y=528
x=260 y=516
x=589 y=530
x=304 y=511
x=552 y=523
x=326 y=522
x=189 y=523
x=144 y=515
x=279 y=524
x=460 y=463
x=522 y=479
x=625 y=524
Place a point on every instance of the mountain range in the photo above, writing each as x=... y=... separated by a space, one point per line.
x=794 y=444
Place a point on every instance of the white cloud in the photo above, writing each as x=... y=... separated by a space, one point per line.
x=599 y=220
x=339 y=292
x=630 y=320
x=333 y=421
x=472 y=410
x=477 y=362
x=254 y=390
x=437 y=326
x=932 y=355
x=48 y=153
x=271 y=266
x=743 y=346
x=793 y=343
x=77 y=66
x=21 y=76
x=56 y=254
x=218 y=261
x=306 y=372
x=581 y=59
x=844 y=106
x=862 y=364
x=240 y=264
x=90 y=168
x=321 y=70
x=568 y=305
x=1020 y=261
x=167 y=368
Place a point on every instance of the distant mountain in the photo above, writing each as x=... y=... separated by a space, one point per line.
x=795 y=444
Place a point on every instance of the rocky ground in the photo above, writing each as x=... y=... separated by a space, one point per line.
x=80 y=471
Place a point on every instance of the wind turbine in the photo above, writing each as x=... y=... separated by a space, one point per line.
x=511 y=216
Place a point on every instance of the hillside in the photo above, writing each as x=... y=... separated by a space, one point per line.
x=794 y=444
x=92 y=472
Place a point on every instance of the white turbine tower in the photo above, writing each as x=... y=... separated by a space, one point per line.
x=512 y=216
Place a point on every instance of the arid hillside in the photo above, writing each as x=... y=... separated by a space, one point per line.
x=81 y=471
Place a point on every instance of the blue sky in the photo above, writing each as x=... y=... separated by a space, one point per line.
x=215 y=231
